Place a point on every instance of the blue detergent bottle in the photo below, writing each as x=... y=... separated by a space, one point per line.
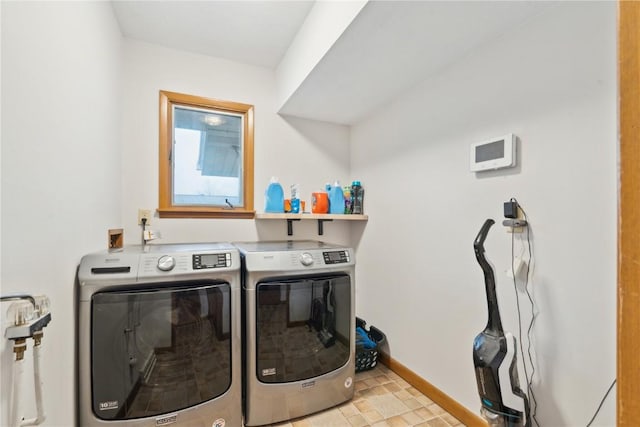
x=336 y=199
x=274 y=197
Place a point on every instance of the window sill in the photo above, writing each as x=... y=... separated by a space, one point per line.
x=198 y=212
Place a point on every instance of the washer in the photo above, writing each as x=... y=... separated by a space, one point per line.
x=158 y=329
x=299 y=326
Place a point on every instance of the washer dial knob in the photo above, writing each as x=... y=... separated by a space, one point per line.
x=166 y=263
x=306 y=259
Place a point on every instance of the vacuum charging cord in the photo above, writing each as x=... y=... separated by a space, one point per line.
x=512 y=211
x=602 y=402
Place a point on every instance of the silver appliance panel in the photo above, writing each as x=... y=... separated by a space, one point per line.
x=291 y=262
x=295 y=256
x=139 y=269
x=284 y=245
x=154 y=263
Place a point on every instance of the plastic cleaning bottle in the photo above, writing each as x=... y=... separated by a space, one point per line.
x=357 y=198
x=336 y=199
x=295 y=198
x=319 y=202
x=346 y=192
x=274 y=197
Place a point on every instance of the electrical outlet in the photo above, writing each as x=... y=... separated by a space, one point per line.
x=144 y=213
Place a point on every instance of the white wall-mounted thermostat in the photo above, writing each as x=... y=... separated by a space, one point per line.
x=496 y=153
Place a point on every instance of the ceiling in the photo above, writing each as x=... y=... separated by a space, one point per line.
x=251 y=32
x=389 y=47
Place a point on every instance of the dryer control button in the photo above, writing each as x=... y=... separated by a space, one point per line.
x=166 y=263
x=306 y=258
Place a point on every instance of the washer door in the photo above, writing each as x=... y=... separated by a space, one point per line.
x=303 y=327
x=159 y=350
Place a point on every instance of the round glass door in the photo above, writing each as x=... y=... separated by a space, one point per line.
x=159 y=350
x=303 y=327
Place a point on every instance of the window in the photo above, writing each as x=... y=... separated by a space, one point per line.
x=206 y=158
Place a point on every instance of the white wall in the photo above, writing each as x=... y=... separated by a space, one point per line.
x=79 y=156
x=60 y=171
x=323 y=26
x=552 y=83
x=295 y=150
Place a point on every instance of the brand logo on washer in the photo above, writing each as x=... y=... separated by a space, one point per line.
x=220 y=422
x=110 y=404
x=268 y=371
x=167 y=419
x=348 y=382
x=308 y=384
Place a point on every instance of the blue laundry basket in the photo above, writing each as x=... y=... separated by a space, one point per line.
x=367 y=346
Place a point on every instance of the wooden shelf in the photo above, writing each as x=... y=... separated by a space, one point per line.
x=321 y=218
x=311 y=216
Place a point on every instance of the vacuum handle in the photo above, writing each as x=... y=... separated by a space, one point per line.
x=478 y=243
x=494 y=324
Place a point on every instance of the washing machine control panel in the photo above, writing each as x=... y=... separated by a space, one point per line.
x=201 y=261
x=166 y=263
x=306 y=259
x=336 y=257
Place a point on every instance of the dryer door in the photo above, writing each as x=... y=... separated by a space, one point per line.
x=161 y=349
x=303 y=327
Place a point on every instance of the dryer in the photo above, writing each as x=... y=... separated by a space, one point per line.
x=158 y=337
x=299 y=325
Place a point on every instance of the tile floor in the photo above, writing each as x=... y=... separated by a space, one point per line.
x=382 y=399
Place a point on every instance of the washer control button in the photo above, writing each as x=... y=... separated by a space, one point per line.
x=306 y=258
x=166 y=263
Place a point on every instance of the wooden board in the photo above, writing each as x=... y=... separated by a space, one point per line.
x=628 y=370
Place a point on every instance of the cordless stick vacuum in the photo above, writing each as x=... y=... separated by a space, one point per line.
x=494 y=357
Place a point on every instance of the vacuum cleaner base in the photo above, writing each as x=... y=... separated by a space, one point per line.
x=504 y=404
